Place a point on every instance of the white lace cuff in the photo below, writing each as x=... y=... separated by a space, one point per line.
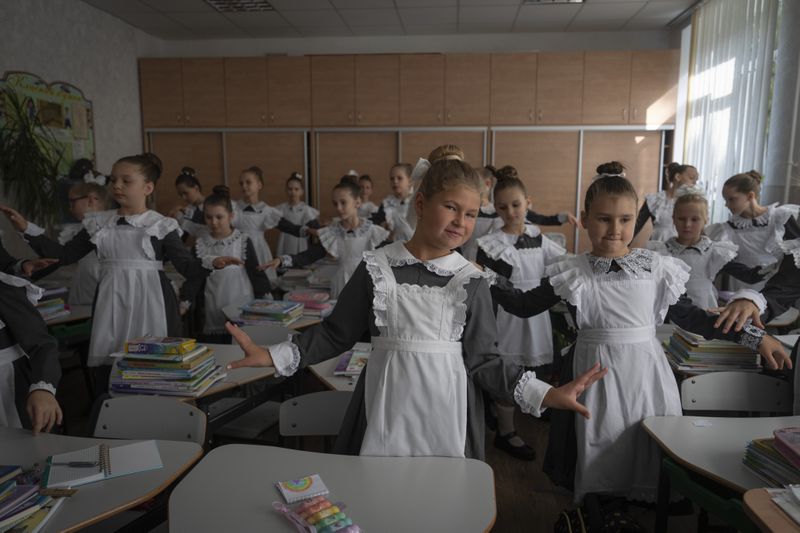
x=562 y=217
x=286 y=261
x=490 y=275
x=753 y=296
x=529 y=394
x=752 y=337
x=208 y=261
x=33 y=230
x=285 y=357
x=42 y=385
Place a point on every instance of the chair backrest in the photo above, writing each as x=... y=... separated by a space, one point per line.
x=559 y=238
x=736 y=391
x=150 y=417
x=317 y=413
x=268 y=334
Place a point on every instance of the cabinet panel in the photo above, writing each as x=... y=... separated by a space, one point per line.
x=606 y=87
x=203 y=92
x=513 y=89
x=377 y=90
x=654 y=87
x=289 y=91
x=246 y=91
x=559 y=88
x=421 y=90
x=416 y=144
x=333 y=90
x=467 y=85
x=161 y=90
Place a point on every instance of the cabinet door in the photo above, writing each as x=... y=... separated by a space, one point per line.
x=377 y=90
x=161 y=89
x=333 y=90
x=466 y=89
x=421 y=90
x=246 y=91
x=559 y=88
x=513 y=89
x=204 y=92
x=416 y=144
x=654 y=87
x=606 y=87
x=289 y=91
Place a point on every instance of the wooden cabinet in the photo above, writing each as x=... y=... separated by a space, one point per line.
x=246 y=91
x=654 y=87
x=203 y=92
x=333 y=90
x=289 y=91
x=466 y=89
x=513 y=89
x=559 y=88
x=606 y=87
x=377 y=90
x=416 y=144
x=161 y=90
x=421 y=90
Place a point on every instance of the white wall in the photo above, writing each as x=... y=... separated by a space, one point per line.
x=511 y=42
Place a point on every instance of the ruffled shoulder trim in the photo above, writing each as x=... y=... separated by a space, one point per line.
x=655 y=200
x=722 y=253
x=658 y=247
x=378 y=234
x=32 y=292
x=157 y=225
x=779 y=216
x=672 y=275
x=551 y=248
x=331 y=239
x=312 y=213
x=381 y=285
x=792 y=248
x=459 y=284
x=493 y=245
x=94 y=222
x=568 y=275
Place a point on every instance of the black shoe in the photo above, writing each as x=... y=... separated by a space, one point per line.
x=491 y=419
x=524 y=452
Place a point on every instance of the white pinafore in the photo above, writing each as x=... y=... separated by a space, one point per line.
x=83 y=285
x=253 y=224
x=130 y=301
x=526 y=341
x=661 y=208
x=416 y=382
x=225 y=286
x=300 y=214
x=9 y=417
x=348 y=247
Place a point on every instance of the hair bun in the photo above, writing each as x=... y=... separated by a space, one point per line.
x=506 y=172
x=222 y=190
x=690 y=190
x=756 y=175
x=446 y=151
x=154 y=160
x=188 y=171
x=612 y=168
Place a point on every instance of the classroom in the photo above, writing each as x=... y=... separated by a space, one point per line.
x=399 y=265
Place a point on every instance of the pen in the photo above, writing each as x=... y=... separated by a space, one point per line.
x=78 y=464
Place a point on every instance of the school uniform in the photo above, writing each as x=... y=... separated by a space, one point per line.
x=347 y=246
x=134 y=297
x=367 y=209
x=758 y=238
x=658 y=208
x=301 y=214
x=617 y=304
x=393 y=210
x=192 y=221
x=706 y=259
x=521 y=259
x=433 y=335
x=28 y=354
x=486 y=222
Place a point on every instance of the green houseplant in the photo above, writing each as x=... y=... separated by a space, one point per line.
x=29 y=160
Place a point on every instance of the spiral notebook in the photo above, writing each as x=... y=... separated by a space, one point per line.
x=295 y=490
x=72 y=469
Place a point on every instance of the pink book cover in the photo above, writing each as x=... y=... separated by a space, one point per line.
x=787 y=442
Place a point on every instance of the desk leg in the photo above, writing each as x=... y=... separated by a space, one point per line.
x=662 y=502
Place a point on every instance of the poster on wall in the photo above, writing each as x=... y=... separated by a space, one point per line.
x=62 y=109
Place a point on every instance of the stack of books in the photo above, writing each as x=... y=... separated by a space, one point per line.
x=23 y=507
x=688 y=352
x=52 y=304
x=295 y=277
x=775 y=460
x=316 y=303
x=352 y=362
x=322 y=276
x=260 y=312
x=172 y=366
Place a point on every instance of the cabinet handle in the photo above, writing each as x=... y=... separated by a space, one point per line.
x=272 y=117
x=439 y=117
x=635 y=112
x=188 y=118
x=624 y=110
x=530 y=115
x=178 y=117
x=350 y=116
x=449 y=116
x=263 y=117
x=360 y=117
x=540 y=115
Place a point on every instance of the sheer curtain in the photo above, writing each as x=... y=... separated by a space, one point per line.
x=729 y=91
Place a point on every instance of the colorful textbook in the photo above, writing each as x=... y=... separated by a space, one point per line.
x=157 y=345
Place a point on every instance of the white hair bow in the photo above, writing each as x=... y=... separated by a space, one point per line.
x=89 y=177
x=420 y=169
x=606 y=175
x=694 y=190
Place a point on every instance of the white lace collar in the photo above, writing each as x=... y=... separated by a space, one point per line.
x=636 y=262
x=394 y=201
x=225 y=241
x=112 y=217
x=532 y=230
x=740 y=222
x=398 y=255
x=675 y=248
x=256 y=207
x=339 y=230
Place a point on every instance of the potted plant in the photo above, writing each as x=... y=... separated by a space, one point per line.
x=29 y=160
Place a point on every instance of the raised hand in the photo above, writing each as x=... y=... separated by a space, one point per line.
x=29 y=266
x=254 y=355
x=566 y=396
x=43 y=410
x=19 y=222
x=275 y=263
x=223 y=261
x=736 y=314
x=572 y=220
x=772 y=352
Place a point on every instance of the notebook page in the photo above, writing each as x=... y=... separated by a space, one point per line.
x=65 y=476
x=132 y=458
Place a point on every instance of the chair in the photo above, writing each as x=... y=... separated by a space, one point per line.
x=150 y=417
x=317 y=413
x=267 y=334
x=559 y=238
x=736 y=391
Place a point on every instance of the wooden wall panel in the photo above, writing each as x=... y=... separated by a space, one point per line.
x=416 y=144
x=639 y=151
x=547 y=163
x=161 y=90
x=246 y=91
x=368 y=153
x=201 y=151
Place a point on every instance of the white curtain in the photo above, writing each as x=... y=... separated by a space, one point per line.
x=729 y=91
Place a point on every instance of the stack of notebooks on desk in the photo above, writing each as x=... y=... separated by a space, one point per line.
x=316 y=303
x=688 y=352
x=165 y=365
x=261 y=312
x=322 y=276
x=52 y=305
x=352 y=362
x=22 y=505
x=295 y=277
x=776 y=460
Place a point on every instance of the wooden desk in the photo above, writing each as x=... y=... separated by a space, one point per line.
x=77 y=313
x=766 y=514
x=97 y=501
x=324 y=372
x=714 y=451
x=233 y=487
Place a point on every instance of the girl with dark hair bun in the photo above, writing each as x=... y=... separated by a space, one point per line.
x=190 y=191
x=296 y=211
x=134 y=297
x=657 y=207
x=757 y=229
x=231 y=265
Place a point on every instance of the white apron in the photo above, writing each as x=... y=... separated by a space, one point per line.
x=348 y=248
x=300 y=214
x=254 y=224
x=84 y=284
x=226 y=286
x=9 y=417
x=130 y=302
x=661 y=208
x=416 y=383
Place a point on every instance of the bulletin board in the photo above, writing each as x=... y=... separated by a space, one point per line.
x=62 y=109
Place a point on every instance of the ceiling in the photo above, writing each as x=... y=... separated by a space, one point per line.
x=196 y=19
